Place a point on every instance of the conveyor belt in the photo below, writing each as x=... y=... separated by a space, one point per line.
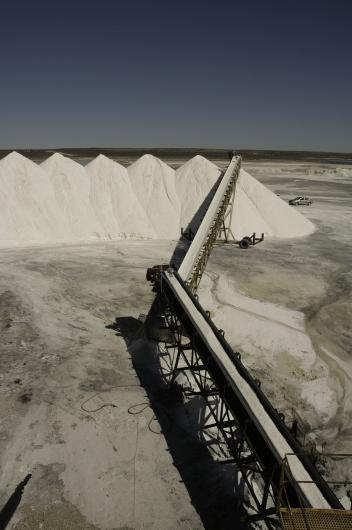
x=195 y=260
x=266 y=435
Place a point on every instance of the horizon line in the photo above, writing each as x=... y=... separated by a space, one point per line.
x=180 y=149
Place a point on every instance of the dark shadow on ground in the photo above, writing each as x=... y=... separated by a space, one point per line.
x=12 y=504
x=210 y=485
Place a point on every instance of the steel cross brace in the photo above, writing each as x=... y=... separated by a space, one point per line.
x=221 y=223
x=188 y=358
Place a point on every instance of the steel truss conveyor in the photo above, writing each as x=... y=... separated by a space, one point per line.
x=216 y=221
x=257 y=438
x=259 y=442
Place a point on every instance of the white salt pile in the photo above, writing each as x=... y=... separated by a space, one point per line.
x=71 y=187
x=257 y=209
x=114 y=201
x=195 y=183
x=28 y=208
x=153 y=182
x=62 y=201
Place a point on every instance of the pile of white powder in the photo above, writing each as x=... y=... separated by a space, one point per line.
x=195 y=185
x=257 y=209
x=63 y=201
x=114 y=201
x=153 y=182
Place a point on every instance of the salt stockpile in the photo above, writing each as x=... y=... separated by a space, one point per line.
x=153 y=182
x=61 y=201
x=114 y=201
x=29 y=212
x=71 y=186
x=257 y=209
x=195 y=185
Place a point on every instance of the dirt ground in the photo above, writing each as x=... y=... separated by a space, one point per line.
x=84 y=409
x=67 y=383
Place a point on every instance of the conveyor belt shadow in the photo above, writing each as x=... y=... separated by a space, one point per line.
x=210 y=485
x=12 y=504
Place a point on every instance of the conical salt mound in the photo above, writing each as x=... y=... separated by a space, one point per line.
x=114 y=201
x=257 y=209
x=195 y=186
x=60 y=200
x=153 y=182
x=71 y=185
x=28 y=209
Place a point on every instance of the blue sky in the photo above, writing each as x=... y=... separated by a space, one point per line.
x=252 y=74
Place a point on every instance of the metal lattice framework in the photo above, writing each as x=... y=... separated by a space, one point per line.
x=220 y=225
x=189 y=357
x=274 y=497
x=302 y=518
